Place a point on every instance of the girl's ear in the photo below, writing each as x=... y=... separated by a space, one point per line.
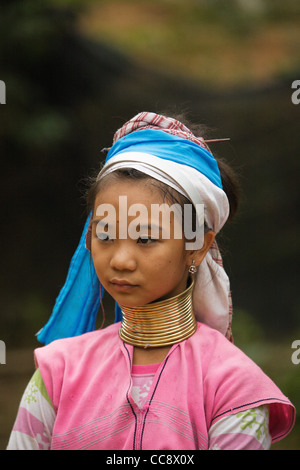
x=198 y=255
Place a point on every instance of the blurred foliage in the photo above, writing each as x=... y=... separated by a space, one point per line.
x=217 y=42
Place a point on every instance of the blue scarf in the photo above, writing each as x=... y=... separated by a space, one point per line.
x=169 y=147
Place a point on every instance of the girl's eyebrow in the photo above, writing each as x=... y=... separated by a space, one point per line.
x=146 y=226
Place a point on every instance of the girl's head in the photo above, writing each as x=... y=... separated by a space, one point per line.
x=155 y=160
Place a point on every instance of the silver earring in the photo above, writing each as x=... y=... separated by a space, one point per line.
x=193 y=268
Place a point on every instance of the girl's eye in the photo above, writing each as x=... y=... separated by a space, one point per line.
x=145 y=240
x=103 y=237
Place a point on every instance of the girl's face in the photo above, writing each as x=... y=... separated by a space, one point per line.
x=136 y=270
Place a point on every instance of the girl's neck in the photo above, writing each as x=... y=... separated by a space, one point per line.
x=155 y=327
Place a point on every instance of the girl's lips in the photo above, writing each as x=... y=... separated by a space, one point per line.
x=121 y=285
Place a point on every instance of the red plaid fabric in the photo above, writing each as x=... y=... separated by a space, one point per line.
x=147 y=120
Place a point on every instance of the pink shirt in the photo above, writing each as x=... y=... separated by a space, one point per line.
x=88 y=379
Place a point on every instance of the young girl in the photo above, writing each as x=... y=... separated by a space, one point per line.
x=166 y=374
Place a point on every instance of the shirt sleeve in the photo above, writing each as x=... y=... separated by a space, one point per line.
x=35 y=419
x=247 y=430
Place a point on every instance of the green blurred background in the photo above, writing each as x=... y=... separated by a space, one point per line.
x=74 y=72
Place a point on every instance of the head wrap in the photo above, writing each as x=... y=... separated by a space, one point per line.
x=168 y=151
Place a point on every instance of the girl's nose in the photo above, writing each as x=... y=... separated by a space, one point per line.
x=123 y=258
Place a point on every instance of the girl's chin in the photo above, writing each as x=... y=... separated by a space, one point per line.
x=126 y=301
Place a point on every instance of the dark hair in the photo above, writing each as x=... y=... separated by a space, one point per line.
x=229 y=180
